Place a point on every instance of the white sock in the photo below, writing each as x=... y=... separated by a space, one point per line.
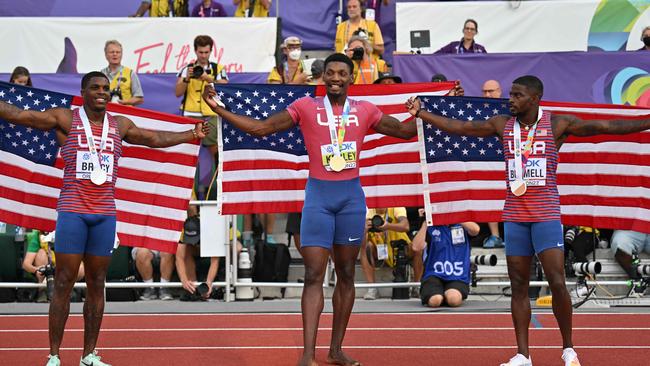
x=148 y=281
x=163 y=280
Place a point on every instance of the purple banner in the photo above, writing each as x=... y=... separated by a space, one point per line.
x=158 y=88
x=595 y=77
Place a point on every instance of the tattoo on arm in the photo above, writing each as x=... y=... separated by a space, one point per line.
x=578 y=127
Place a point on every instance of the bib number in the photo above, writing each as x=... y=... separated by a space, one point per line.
x=85 y=165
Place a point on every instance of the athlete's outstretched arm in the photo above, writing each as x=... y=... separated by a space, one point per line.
x=490 y=127
x=140 y=136
x=390 y=126
x=571 y=125
x=278 y=122
x=47 y=120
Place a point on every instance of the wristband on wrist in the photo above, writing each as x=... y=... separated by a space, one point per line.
x=417 y=114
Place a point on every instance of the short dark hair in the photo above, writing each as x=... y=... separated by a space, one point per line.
x=339 y=57
x=20 y=71
x=202 y=41
x=532 y=83
x=438 y=78
x=93 y=74
x=472 y=21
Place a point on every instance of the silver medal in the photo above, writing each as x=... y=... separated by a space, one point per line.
x=98 y=176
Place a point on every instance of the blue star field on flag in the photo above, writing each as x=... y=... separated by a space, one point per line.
x=442 y=146
x=30 y=143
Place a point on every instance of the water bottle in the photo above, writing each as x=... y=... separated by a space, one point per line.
x=3 y=227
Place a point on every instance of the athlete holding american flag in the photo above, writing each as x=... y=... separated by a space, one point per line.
x=532 y=138
x=91 y=145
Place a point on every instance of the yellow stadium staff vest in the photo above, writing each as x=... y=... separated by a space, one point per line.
x=258 y=9
x=194 y=96
x=124 y=79
x=388 y=236
x=160 y=8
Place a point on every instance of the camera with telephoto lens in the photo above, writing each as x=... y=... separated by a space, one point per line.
x=639 y=270
x=197 y=71
x=48 y=272
x=376 y=222
x=116 y=94
x=570 y=234
x=400 y=272
x=357 y=53
x=585 y=268
x=484 y=260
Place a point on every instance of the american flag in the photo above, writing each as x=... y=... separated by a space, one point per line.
x=603 y=181
x=151 y=193
x=268 y=174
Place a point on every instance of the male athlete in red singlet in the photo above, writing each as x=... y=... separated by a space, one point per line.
x=91 y=141
x=532 y=138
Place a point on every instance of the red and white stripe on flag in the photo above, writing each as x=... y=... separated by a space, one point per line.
x=151 y=193
x=389 y=167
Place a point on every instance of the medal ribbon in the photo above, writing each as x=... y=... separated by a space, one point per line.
x=526 y=150
x=89 y=137
x=336 y=136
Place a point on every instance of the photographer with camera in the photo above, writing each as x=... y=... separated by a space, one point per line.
x=366 y=69
x=446 y=262
x=383 y=227
x=188 y=249
x=356 y=25
x=626 y=244
x=192 y=80
x=124 y=83
x=40 y=261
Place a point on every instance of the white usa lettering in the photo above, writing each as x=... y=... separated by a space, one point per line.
x=539 y=147
x=110 y=144
x=352 y=120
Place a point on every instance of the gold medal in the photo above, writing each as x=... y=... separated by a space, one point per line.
x=518 y=187
x=337 y=163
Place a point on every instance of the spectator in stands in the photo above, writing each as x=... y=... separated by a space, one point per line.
x=188 y=249
x=21 y=76
x=366 y=69
x=208 y=9
x=492 y=89
x=373 y=9
x=388 y=78
x=317 y=68
x=384 y=226
x=356 y=25
x=161 y=8
x=438 y=78
x=252 y=8
x=125 y=85
x=645 y=38
x=625 y=243
x=37 y=255
x=191 y=81
x=446 y=264
x=291 y=69
x=467 y=43
x=144 y=262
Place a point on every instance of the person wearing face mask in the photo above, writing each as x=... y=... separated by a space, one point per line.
x=645 y=38
x=291 y=70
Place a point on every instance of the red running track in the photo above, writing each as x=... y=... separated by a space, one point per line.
x=374 y=339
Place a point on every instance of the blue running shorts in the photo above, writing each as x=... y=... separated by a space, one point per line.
x=334 y=213
x=529 y=238
x=85 y=234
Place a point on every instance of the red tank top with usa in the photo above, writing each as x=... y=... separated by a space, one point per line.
x=79 y=194
x=541 y=202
